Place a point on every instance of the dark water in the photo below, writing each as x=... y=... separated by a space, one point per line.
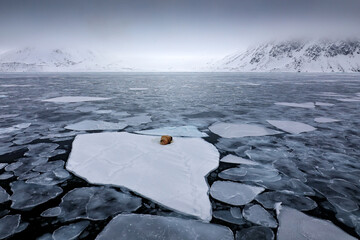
x=327 y=160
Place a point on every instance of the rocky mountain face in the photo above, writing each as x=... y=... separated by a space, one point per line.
x=33 y=59
x=295 y=56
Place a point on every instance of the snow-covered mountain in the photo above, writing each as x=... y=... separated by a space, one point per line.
x=295 y=56
x=35 y=59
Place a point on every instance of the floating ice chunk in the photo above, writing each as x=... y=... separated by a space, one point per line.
x=103 y=111
x=5 y=176
x=41 y=149
x=183 y=131
x=258 y=215
x=50 y=166
x=296 y=225
x=14 y=128
x=233 y=215
x=344 y=204
x=355 y=99
x=71 y=231
x=137 y=120
x=90 y=125
x=50 y=178
x=324 y=104
x=288 y=185
x=4 y=196
x=46 y=236
x=166 y=171
x=233 y=130
x=300 y=105
x=96 y=203
x=9 y=225
x=269 y=199
x=252 y=173
x=51 y=212
x=237 y=160
x=325 y=120
x=138 y=89
x=13 y=166
x=255 y=233
x=72 y=99
x=234 y=193
x=2 y=165
x=291 y=126
x=139 y=226
x=28 y=175
x=27 y=196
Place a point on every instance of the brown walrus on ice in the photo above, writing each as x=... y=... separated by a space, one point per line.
x=166 y=139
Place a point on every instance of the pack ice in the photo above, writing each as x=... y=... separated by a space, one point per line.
x=172 y=175
x=291 y=126
x=234 y=130
x=182 y=131
x=140 y=226
x=91 y=125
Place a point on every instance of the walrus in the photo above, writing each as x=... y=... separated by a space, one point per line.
x=166 y=139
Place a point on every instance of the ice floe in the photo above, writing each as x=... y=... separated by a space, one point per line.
x=4 y=196
x=291 y=126
x=10 y=224
x=269 y=199
x=70 y=232
x=14 y=128
x=72 y=99
x=237 y=160
x=167 y=172
x=325 y=120
x=296 y=225
x=234 y=193
x=255 y=233
x=344 y=204
x=182 y=131
x=324 y=104
x=258 y=215
x=137 y=120
x=91 y=125
x=94 y=203
x=51 y=212
x=139 y=226
x=50 y=178
x=26 y=195
x=234 y=130
x=251 y=173
x=233 y=215
x=300 y=105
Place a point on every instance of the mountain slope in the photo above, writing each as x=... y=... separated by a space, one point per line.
x=295 y=56
x=33 y=59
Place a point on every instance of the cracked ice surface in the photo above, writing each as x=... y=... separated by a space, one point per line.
x=291 y=126
x=172 y=175
x=234 y=130
x=140 y=226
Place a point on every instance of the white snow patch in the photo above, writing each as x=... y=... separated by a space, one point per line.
x=300 y=105
x=296 y=225
x=233 y=130
x=237 y=160
x=291 y=126
x=325 y=120
x=72 y=99
x=90 y=125
x=182 y=131
x=172 y=175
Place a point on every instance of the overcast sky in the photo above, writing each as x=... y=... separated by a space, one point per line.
x=169 y=29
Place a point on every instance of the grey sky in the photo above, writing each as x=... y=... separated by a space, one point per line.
x=169 y=28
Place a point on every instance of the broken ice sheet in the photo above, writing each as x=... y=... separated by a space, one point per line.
x=300 y=105
x=26 y=196
x=4 y=196
x=296 y=225
x=237 y=160
x=344 y=204
x=251 y=173
x=167 y=172
x=255 y=233
x=53 y=177
x=291 y=126
x=91 y=125
x=258 y=215
x=71 y=231
x=140 y=226
x=325 y=120
x=10 y=224
x=72 y=99
x=234 y=130
x=95 y=203
x=234 y=193
x=182 y=131
x=233 y=215
x=41 y=149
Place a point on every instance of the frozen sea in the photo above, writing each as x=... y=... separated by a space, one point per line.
x=309 y=165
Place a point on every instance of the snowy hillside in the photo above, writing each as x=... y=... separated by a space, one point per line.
x=33 y=59
x=295 y=56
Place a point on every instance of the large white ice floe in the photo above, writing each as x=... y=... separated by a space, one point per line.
x=300 y=105
x=172 y=175
x=91 y=125
x=291 y=126
x=235 y=130
x=72 y=99
x=296 y=225
x=182 y=131
x=152 y=227
x=234 y=193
